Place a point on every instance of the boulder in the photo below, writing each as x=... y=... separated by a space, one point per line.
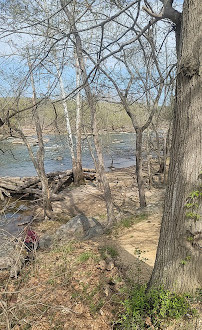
x=12 y=255
x=45 y=241
x=80 y=227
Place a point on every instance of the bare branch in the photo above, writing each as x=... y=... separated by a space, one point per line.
x=151 y=13
x=167 y=11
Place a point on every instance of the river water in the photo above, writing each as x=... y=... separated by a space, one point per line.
x=15 y=160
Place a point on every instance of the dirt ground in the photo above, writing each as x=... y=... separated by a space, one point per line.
x=137 y=233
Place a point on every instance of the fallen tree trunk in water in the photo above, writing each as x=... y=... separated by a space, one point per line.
x=31 y=186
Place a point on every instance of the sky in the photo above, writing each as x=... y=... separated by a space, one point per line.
x=13 y=68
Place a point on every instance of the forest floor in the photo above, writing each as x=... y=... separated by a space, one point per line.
x=136 y=229
x=81 y=284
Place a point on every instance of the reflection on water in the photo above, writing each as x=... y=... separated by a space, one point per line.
x=15 y=160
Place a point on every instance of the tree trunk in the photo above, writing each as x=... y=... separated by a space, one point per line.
x=100 y=162
x=78 y=173
x=166 y=153
x=140 y=180
x=66 y=112
x=158 y=147
x=92 y=106
x=39 y=164
x=149 y=157
x=178 y=261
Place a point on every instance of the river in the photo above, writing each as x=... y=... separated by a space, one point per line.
x=15 y=160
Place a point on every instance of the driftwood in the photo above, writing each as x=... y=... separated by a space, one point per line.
x=31 y=186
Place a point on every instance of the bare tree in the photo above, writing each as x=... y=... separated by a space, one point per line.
x=39 y=163
x=151 y=105
x=92 y=106
x=75 y=155
x=78 y=173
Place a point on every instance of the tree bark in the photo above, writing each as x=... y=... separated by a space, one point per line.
x=139 y=175
x=178 y=261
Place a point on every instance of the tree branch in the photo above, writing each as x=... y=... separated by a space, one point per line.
x=167 y=11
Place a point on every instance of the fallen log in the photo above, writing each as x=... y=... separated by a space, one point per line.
x=64 y=180
x=16 y=183
x=31 y=186
x=89 y=176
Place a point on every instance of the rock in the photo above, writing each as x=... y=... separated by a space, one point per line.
x=59 y=158
x=103 y=265
x=12 y=255
x=110 y=265
x=79 y=227
x=101 y=312
x=148 y=322
x=16 y=267
x=5 y=262
x=79 y=308
x=45 y=242
x=107 y=291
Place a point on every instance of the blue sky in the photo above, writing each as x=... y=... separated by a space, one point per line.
x=13 y=68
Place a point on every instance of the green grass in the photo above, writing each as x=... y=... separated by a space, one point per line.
x=130 y=221
x=108 y=251
x=85 y=256
x=64 y=249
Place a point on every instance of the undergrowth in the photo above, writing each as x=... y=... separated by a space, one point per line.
x=149 y=309
x=108 y=251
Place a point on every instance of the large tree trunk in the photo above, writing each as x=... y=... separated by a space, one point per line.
x=178 y=261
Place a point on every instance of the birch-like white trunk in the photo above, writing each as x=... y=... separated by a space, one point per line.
x=78 y=175
x=66 y=113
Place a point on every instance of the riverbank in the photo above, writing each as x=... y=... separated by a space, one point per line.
x=30 y=133
x=47 y=280
x=81 y=284
x=86 y=199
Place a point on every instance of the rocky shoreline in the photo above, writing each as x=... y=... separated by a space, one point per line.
x=71 y=218
x=13 y=251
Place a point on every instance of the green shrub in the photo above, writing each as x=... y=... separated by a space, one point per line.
x=158 y=304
